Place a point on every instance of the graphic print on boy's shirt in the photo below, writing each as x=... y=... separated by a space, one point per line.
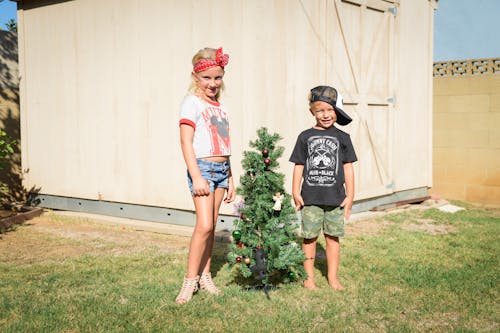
x=218 y=128
x=322 y=163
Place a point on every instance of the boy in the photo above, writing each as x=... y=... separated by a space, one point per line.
x=323 y=157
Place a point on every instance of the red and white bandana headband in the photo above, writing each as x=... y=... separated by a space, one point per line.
x=221 y=60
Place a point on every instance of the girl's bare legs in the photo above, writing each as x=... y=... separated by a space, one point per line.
x=202 y=233
x=333 y=259
x=200 y=248
x=207 y=255
x=309 y=248
x=206 y=282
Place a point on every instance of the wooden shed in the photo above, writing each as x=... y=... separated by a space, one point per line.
x=101 y=83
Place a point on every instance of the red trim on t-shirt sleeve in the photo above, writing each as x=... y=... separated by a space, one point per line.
x=187 y=122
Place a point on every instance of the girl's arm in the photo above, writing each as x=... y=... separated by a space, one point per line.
x=200 y=184
x=231 y=194
x=349 y=190
x=296 y=182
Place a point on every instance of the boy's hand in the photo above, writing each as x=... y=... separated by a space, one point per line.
x=299 y=202
x=347 y=206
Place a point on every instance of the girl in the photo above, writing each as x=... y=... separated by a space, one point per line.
x=204 y=131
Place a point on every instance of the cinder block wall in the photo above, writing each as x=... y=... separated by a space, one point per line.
x=466 y=154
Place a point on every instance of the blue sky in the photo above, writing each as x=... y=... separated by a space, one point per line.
x=463 y=29
x=466 y=29
x=7 y=11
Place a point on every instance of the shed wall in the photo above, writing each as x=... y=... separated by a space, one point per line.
x=102 y=82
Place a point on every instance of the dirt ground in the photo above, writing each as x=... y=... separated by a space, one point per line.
x=53 y=237
x=50 y=237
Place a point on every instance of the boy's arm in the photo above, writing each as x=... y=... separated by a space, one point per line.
x=349 y=189
x=296 y=182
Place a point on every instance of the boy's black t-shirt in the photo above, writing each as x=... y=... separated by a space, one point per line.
x=323 y=154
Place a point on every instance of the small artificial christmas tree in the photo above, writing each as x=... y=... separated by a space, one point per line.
x=264 y=239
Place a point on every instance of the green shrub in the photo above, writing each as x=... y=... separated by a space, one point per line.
x=6 y=147
x=6 y=150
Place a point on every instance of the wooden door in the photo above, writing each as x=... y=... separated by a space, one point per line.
x=361 y=56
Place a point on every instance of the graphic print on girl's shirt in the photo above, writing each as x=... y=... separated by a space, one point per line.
x=211 y=121
x=218 y=127
x=322 y=163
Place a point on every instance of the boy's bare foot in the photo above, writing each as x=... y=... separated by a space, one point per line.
x=335 y=284
x=310 y=285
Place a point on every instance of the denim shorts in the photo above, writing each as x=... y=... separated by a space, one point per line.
x=328 y=218
x=217 y=174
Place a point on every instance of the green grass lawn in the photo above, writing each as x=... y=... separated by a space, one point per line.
x=423 y=270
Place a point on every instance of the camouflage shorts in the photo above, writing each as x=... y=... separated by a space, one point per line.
x=328 y=218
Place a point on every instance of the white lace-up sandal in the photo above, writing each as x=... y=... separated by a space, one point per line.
x=189 y=288
x=208 y=285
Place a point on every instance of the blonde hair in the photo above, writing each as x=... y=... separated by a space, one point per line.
x=205 y=53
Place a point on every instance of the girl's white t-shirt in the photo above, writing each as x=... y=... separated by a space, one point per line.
x=211 y=126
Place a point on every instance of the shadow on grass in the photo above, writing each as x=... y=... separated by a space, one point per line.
x=320 y=261
x=219 y=257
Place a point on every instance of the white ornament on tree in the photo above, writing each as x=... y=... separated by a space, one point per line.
x=278 y=198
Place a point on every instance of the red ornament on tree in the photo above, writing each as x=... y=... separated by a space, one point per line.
x=265 y=152
x=267 y=161
x=238 y=259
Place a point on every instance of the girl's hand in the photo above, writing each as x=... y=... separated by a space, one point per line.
x=201 y=186
x=347 y=206
x=230 y=194
x=299 y=202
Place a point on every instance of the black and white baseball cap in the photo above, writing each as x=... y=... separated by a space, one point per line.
x=331 y=96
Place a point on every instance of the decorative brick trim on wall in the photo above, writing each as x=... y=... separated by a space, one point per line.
x=467 y=67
